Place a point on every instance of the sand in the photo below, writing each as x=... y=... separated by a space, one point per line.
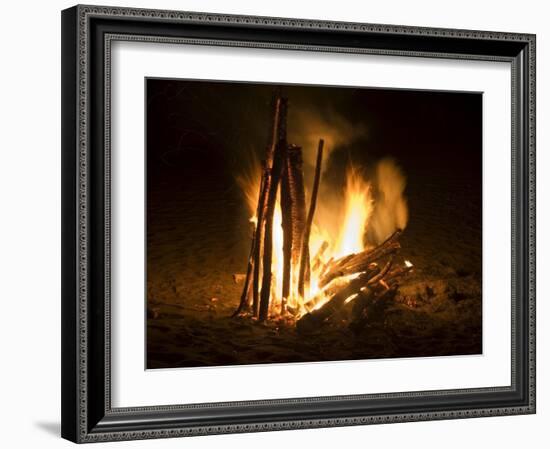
x=196 y=242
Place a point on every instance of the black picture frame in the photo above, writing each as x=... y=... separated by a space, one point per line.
x=87 y=414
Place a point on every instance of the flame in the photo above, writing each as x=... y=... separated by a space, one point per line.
x=353 y=214
x=250 y=184
x=277 y=258
x=358 y=207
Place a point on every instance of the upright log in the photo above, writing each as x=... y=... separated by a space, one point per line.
x=262 y=203
x=304 y=253
x=259 y=243
x=293 y=208
x=278 y=158
x=247 y=281
x=265 y=294
x=286 y=215
x=251 y=263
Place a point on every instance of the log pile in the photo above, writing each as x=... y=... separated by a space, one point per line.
x=368 y=278
x=282 y=170
x=363 y=281
x=354 y=263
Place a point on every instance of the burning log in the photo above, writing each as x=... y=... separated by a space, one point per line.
x=286 y=218
x=293 y=211
x=398 y=272
x=311 y=321
x=262 y=201
x=276 y=169
x=268 y=242
x=371 y=285
x=247 y=283
x=355 y=263
x=333 y=288
x=375 y=279
x=370 y=307
x=304 y=256
x=327 y=266
x=373 y=299
x=258 y=242
x=251 y=257
x=316 y=261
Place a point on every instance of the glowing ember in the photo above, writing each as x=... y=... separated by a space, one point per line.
x=351 y=298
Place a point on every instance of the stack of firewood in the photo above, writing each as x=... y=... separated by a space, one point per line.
x=364 y=280
x=282 y=169
x=357 y=275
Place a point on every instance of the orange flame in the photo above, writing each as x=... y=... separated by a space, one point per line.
x=353 y=218
x=358 y=207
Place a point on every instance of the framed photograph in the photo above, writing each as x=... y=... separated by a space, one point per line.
x=275 y=224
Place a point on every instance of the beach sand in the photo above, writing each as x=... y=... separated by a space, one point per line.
x=199 y=236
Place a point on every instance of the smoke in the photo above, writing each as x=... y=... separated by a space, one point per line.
x=249 y=180
x=307 y=126
x=385 y=185
x=390 y=211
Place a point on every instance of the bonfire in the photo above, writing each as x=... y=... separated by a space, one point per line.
x=296 y=270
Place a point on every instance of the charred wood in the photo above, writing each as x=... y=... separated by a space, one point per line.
x=248 y=280
x=293 y=209
x=383 y=272
x=278 y=105
x=304 y=273
x=312 y=321
x=370 y=307
x=278 y=160
x=258 y=242
x=359 y=262
x=316 y=262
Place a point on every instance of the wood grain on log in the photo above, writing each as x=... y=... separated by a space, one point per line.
x=359 y=262
x=286 y=215
x=248 y=282
x=262 y=203
x=293 y=210
x=312 y=320
x=304 y=253
x=258 y=242
x=276 y=169
x=370 y=307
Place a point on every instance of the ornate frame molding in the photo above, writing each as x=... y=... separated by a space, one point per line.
x=78 y=423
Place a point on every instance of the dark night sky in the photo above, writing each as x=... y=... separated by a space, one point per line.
x=200 y=136
x=198 y=126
